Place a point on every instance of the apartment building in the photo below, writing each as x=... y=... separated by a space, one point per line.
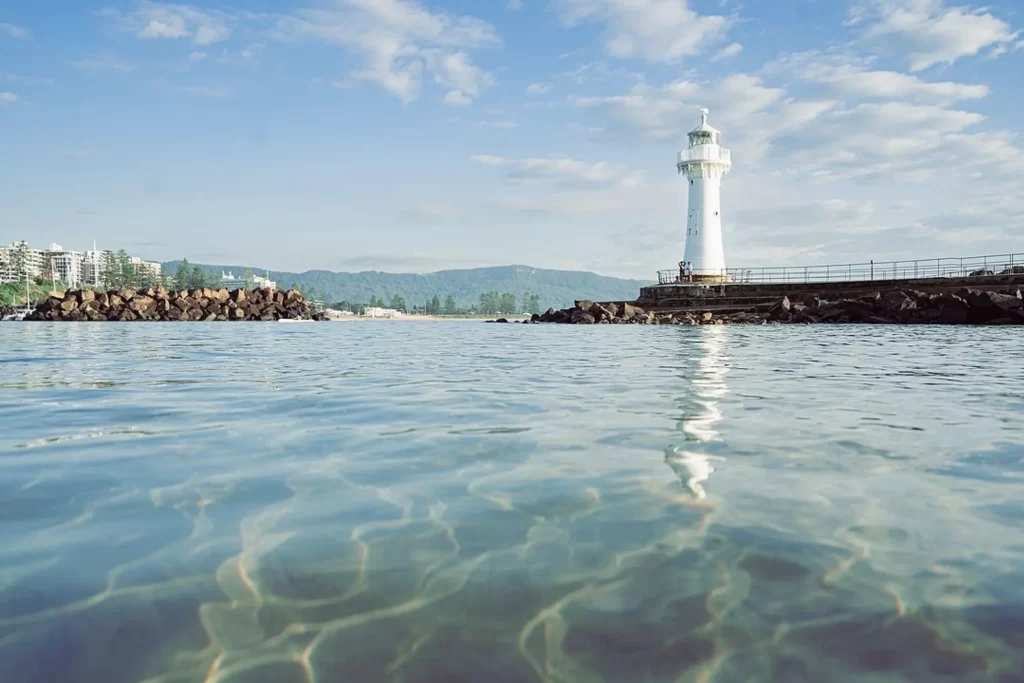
x=74 y=268
x=19 y=261
x=67 y=266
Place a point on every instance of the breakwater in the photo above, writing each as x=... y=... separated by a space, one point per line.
x=894 y=307
x=159 y=304
x=758 y=296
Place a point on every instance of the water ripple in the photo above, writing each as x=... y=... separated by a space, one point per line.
x=446 y=502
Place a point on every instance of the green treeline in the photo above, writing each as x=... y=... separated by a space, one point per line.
x=556 y=288
x=490 y=303
x=192 y=277
x=117 y=271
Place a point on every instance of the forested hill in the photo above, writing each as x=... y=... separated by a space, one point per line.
x=556 y=288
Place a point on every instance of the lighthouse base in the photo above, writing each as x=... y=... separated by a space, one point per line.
x=669 y=277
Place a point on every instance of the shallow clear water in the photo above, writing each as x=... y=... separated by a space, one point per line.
x=466 y=502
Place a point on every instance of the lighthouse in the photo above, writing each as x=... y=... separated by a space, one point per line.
x=704 y=163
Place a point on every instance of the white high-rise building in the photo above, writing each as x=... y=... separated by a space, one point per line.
x=20 y=261
x=705 y=163
x=94 y=265
x=68 y=266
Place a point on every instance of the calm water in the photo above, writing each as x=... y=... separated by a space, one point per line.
x=439 y=502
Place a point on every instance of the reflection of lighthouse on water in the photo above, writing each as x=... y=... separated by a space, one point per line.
x=707 y=386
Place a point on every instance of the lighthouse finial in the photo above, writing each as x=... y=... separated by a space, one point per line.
x=704 y=115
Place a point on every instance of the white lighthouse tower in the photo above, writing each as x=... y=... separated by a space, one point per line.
x=704 y=163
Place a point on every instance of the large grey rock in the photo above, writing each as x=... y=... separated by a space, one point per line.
x=781 y=309
x=953 y=310
x=629 y=311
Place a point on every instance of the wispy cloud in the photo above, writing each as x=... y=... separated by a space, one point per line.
x=655 y=30
x=538 y=88
x=928 y=32
x=158 y=20
x=8 y=97
x=399 y=42
x=851 y=76
x=16 y=32
x=102 y=61
x=561 y=168
x=728 y=52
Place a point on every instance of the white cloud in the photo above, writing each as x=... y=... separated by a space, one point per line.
x=929 y=32
x=514 y=5
x=454 y=70
x=457 y=98
x=104 y=60
x=892 y=140
x=398 y=41
x=750 y=112
x=16 y=32
x=861 y=151
x=197 y=57
x=538 y=88
x=847 y=75
x=173 y=21
x=8 y=97
x=789 y=216
x=655 y=30
x=728 y=52
x=562 y=168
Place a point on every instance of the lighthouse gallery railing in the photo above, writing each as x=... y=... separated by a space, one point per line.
x=974 y=266
x=706 y=153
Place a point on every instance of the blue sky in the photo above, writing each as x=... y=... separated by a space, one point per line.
x=416 y=135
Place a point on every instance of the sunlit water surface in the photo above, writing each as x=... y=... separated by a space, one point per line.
x=463 y=502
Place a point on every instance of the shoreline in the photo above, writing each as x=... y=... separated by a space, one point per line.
x=421 y=318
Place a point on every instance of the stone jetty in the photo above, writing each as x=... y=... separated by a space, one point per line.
x=893 y=307
x=159 y=304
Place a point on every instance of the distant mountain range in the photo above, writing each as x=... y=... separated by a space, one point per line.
x=556 y=288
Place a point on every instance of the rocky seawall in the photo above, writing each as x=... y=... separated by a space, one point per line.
x=159 y=304
x=894 y=307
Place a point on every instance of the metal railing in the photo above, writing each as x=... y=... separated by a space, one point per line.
x=705 y=153
x=973 y=266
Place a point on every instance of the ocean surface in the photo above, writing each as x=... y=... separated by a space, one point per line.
x=444 y=502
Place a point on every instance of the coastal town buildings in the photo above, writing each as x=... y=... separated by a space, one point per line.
x=229 y=280
x=378 y=312
x=704 y=163
x=19 y=261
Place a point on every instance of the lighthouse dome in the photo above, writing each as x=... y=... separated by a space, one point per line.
x=705 y=133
